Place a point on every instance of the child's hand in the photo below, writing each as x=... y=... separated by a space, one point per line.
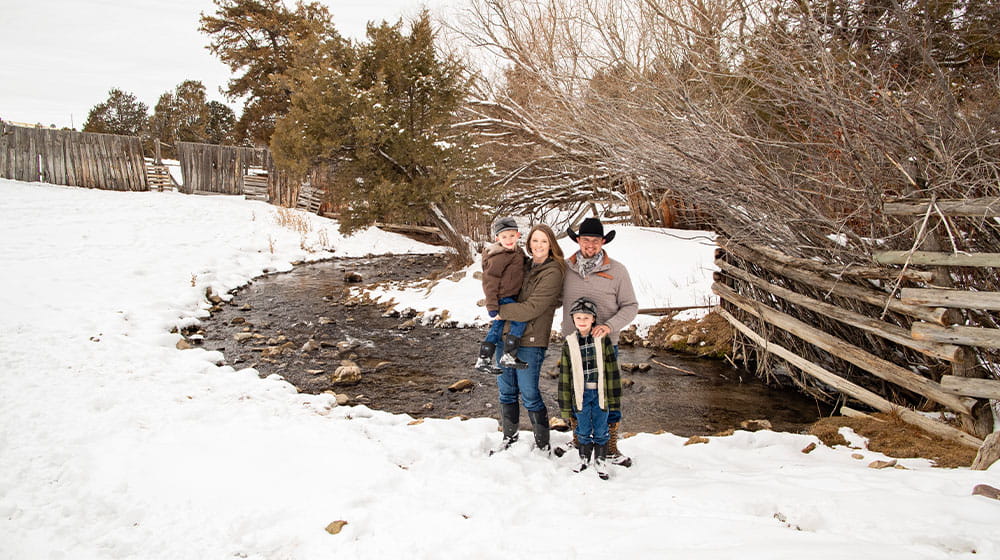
x=493 y=314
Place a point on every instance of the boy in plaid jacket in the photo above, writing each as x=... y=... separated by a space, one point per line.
x=589 y=386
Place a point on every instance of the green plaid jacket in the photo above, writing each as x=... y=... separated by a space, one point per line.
x=612 y=380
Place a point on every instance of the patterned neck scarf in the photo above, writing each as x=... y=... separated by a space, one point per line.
x=585 y=265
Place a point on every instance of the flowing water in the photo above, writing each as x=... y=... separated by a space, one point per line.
x=408 y=370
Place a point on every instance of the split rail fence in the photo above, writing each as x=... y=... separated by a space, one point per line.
x=845 y=332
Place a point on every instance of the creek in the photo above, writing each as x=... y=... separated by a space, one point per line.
x=408 y=370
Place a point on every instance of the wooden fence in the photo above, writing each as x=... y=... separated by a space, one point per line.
x=209 y=168
x=844 y=336
x=67 y=157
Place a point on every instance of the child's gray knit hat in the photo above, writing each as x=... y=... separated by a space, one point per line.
x=584 y=305
x=503 y=224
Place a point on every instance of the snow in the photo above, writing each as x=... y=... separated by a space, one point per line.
x=114 y=444
x=668 y=268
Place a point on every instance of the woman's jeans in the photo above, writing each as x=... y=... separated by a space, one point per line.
x=496 y=327
x=512 y=381
x=592 y=422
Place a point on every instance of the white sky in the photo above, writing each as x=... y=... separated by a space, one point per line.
x=61 y=57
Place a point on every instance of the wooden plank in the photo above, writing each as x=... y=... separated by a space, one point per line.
x=853 y=390
x=895 y=333
x=987 y=207
x=879 y=367
x=971 y=386
x=941 y=297
x=931 y=258
x=851 y=270
x=966 y=336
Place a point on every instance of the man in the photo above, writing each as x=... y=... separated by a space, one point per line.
x=592 y=274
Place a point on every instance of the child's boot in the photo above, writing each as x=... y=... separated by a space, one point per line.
x=585 y=450
x=572 y=444
x=485 y=361
x=614 y=455
x=600 y=461
x=509 y=359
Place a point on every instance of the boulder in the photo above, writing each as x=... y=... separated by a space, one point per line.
x=242 y=336
x=346 y=375
x=310 y=346
x=352 y=278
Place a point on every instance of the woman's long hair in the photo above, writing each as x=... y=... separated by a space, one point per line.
x=555 y=251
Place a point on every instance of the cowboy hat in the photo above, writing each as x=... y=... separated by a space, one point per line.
x=591 y=227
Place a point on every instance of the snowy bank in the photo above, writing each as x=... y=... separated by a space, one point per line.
x=114 y=444
x=668 y=267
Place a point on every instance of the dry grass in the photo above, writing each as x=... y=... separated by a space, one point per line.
x=889 y=435
x=293 y=220
x=712 y=336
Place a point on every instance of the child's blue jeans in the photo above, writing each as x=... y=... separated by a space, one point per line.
x=496 y=327
x=591 y=421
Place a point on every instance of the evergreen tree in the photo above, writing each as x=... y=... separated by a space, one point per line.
x=185 y=115
x=256 y=39
x=122 y=113
x=221 y=124
x=382 y=117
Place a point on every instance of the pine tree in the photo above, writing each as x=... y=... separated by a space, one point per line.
x=256 y=39
x=122 y=113
x=381 y=117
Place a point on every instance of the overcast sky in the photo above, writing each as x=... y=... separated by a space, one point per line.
x=59 y=58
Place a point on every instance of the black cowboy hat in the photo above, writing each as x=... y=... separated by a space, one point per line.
x=591 y=227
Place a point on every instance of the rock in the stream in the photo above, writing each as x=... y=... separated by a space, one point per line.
x=462 y=385
x=347 y=374
x=326 y=321
x=352 y=278
x=558 y=424
x=755 y=425
x=183 y=345
x=242 y=336
x=310 y=346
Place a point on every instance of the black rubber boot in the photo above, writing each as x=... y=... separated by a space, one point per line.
x=509 y=359
x=485 y=361
x=585 y=452
x=600 y=461
x=509 y=418
x=540 y=427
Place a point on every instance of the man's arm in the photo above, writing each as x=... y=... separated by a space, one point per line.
x=628 y=305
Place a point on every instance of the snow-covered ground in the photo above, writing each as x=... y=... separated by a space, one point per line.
x=114 y=444
x=669 y=268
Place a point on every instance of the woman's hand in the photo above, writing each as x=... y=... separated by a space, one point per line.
x=600 y=331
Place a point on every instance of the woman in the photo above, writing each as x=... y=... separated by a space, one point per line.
x=536 y=304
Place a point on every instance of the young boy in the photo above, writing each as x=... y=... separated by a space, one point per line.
x=503 y=273
x=589 y=385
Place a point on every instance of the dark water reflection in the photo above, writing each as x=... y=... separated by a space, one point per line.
x=408 y=371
